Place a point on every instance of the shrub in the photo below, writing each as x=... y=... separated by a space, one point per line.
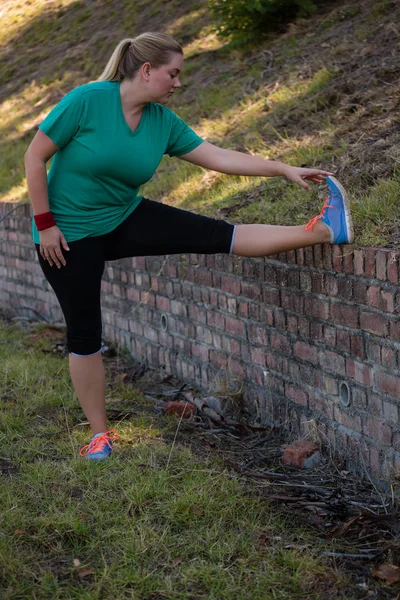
x=246 y=20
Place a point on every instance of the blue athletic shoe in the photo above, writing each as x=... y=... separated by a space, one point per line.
x=100 y=446
x=336 y=214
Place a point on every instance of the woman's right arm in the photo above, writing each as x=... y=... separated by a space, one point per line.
x=41 y=149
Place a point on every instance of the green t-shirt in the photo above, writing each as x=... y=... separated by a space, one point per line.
x=95 y=177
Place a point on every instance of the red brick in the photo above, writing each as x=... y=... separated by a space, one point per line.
x=330 y=335
x=230 y=285
x=331 y=285
x=395 y=331
x=254 y=269
x=267 y=316
x=250 y=290
x=343 y=340
x=378 y=430
x=217 y=340
x=236 y=367
x=204 y=335
x=358 y=398
x=243 y=309
x=162 y=303
x=393 y=267
x=271 y=296
x=222 y=302
x=374 y=323
x=139 y=262
x=203 y=277
x=218 y=359
x=178 y=308
x=387 y=384
x=296 y=394
x=318 y=261
x=337 y=259
x=304 y=328
x=386 y=301
x=234 y=326
x=332 y=362
x=360 y=293
x=257 y=356
x=373 y=296
x=292 y=324
x=305 y=281
x=318 y=283
x=198 y=314
x=169 y=270
x=344 y=314
x=373 y=351
x=300 y=257
x=317 y=308
x=358 y=371
x=327 y=256
x=306 y=352
x=391 y=412
x=348 y=419
x=319 y=404
x=374 y=460
x=381 y=261
x=369 y=269
x=215 y=319
x=309 y=256
x=270 y=273
x=389 y=357
x=293 y=279
x=281 y=343
x=280 y=319
x=256 y=334
x=254 y=311
x=133 y=294
x=348 y=256
x=256 y=376
x=210 y=261
x=295 y=454
x=357 y=346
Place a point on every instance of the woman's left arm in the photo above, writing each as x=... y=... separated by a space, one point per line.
x=238 y=163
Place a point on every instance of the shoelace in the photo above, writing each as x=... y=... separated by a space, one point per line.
x=311 y=223
x=99 y=443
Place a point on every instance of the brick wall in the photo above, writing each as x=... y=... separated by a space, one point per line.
x=313 y=335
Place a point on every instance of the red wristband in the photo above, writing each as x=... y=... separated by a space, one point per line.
x=44 y=221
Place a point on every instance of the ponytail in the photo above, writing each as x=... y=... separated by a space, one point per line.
x=131 y=53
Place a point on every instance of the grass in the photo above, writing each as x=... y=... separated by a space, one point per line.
x=155 y=521
x=290 y=103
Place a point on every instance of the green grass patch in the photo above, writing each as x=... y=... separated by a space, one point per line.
x=377 y=213
x=154 y=521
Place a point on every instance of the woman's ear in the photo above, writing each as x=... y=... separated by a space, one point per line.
x=146 y=68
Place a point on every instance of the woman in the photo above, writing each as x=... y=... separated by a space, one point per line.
x=107 y=139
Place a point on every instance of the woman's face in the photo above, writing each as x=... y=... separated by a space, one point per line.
x=163 y=81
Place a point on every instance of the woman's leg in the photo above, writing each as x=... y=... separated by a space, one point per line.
x=77 y=287
x=263 y=240
x=88 y=379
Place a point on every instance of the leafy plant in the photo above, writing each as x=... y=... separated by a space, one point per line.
x=244 y=21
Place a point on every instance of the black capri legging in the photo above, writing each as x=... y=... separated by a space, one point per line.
x=152 y=229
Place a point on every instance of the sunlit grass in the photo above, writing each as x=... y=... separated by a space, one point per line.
x=377 y=213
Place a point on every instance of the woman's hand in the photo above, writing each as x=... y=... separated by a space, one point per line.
x=51 y=241
x=300 y=175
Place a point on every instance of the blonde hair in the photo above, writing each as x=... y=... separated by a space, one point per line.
x=131 y=53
